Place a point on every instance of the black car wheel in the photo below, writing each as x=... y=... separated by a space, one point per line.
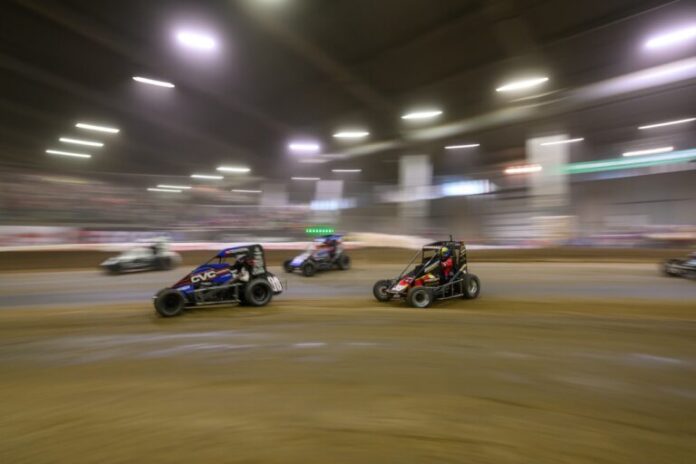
x=113 y=269
x=163 y=264
x=668 y=268
x=344 y=262
x=380 y=290
x=258 y=292
x=169 y=302
x=472 y=287
x=420 y=297
x=309 y=269
x=287 y=265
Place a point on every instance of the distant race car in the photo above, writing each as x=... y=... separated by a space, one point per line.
x=685 y=267
x=324 y=253
x=234 y=275
x=154 y=257
x=442 y=274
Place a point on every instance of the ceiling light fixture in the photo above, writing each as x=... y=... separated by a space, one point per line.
x=649 y=151
x=351 y=134
x=526 y=169
x=175 y=187
x=346 y=170
x=94 y=127
x=562 y=142
x=206 y=176
x=196 y=40
x=235 y=169
x=145 y=80
x=671 y=38
x=522 y=84
x=305 y=178
x=165 y=190
x=304 y=147
x=425 y=114
x=81 y=142
x=667 y=123
x=245 y=191
x=67 y=153
x=459 y=147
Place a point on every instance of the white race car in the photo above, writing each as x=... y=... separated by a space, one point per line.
x=155 y=257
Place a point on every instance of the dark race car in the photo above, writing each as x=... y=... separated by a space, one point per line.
x=324 y=253
x=234 y=275
x=441 y=274
x=685 y=267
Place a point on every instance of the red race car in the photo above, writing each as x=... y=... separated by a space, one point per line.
x=442 y=273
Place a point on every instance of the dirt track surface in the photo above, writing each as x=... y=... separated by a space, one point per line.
x=634 y=281
x=349 y=380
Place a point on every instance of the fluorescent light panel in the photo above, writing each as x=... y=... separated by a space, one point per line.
x=206 y=176
x=175 y=187
x=68 y=153
x=89 y=143
x=562 y=142
x=649 y=151
x=306 y=178
x=459 y=147
x=522 y=84
x=346 y=170
x=525 y=169
x=425 y=114
x=351 y=134
x=237 y=169
x=667 y=123
x=245 y=191
x=146 y=80
x=304 y=147
x=94 y=127
x=671 y=38
x=165 y=190
x=196 y=40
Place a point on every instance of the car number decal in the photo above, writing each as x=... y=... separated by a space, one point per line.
x=275 y=284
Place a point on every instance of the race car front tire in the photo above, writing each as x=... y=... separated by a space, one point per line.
x=379 y=290
x=309 y=269
x=287 y=265
x=420 y=297
x=472 y=287
x=258 y=292
x=169 y=302
x=344 y=262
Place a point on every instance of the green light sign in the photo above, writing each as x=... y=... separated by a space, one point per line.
x=319 y=230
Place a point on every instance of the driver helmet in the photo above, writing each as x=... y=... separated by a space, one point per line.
x=444 y=252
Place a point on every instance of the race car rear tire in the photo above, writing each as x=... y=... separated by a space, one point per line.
x=420 y=297
x=667 y=268
x=163 y=264
x=113 y=269
x=287 y=266
x=379 y=290
x=169 y=302
x=309 y=269
x=258 y=292
x=344 y=262
x=472 y=287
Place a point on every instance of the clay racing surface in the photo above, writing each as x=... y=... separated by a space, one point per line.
x=556 y=363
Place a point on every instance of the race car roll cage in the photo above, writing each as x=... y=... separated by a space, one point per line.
x=455 y=287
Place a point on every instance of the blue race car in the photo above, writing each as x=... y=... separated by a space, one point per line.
x=234 y=275
x=324 y=253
